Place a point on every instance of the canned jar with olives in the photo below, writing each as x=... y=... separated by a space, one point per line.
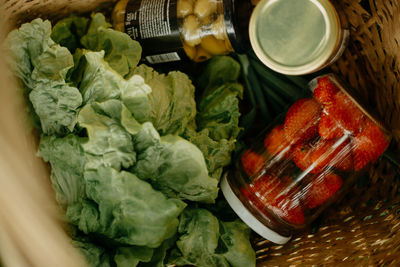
x=173 y=30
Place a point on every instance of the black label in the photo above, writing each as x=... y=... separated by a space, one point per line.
x=154 y=24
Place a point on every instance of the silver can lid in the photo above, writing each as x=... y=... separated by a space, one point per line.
x=294 y=37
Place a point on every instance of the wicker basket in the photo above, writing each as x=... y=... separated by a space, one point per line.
x=364 y=229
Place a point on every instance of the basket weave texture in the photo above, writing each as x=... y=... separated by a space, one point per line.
x=364 y=228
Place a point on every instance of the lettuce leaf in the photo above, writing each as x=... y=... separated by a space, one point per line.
x=67 y=32
x=43 y=65
x=219 y=111
x=172 y=105
x=219 y=70
x=100 y=83
x=122 y=53
x=123 y=166
x=207 y=242
x=25 y=45
x=108 y=143
x=131 y=256
x=174 y=166
x=95 y=255
x=235 y=237
x=199 y=231
x=56 y=105
x=159 y=254
x=217 y=154
x=90 y=39
x=217 y=119
x=117 y=209
x=67 y=161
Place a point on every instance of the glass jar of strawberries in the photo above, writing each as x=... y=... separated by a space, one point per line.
x=304 y=162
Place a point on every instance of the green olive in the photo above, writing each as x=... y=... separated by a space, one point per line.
x=185 y=8
x=189 y=50
x=213 y=46
x=228 y=45
x=119 y=27
x=191 y=31
x=204 y=8
x=218 y=28
x=118 y=14
x=201 y=55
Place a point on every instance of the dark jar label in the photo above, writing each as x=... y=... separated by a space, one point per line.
x=154 y=24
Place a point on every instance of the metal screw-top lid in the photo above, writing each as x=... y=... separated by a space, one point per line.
x=294 y=36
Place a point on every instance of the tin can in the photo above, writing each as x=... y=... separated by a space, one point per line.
x=173 y=30
x=305 y=161
x=296 y=37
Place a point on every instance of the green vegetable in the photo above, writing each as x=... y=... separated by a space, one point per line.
x=67 y=32
x=185 y=177
x=159 y=254
x=235 y=237
x=219 y=71
x=43 y=65
x=56 y=105
x=121 y=213
x=67 y=161
x=217 y=154
x=199 y=231
x=219 y=113
x=127 y=145
x=172 y=102
x=90 y=39
x=95 y=255
x=25 y=45
x=100 y=82
x=121 y=52
x=103 y=148
x=131 y=256
x=202 y=244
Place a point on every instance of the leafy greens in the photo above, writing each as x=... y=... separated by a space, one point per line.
x=129 y=150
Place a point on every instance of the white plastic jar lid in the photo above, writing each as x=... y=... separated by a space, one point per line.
x=294 y=37
x=249 y=218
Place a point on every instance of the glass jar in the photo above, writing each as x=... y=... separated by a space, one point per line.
x=305 y=161
x=172 y=30
x=297 y=37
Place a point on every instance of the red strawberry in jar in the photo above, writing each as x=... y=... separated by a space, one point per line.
x=301 y=122
x=309 y=159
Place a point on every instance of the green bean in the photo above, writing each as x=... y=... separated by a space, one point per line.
x=244 y=62
x=299 y=82
x=276 y=102
x=258 y=94
x=274 y=79
x=246 y=121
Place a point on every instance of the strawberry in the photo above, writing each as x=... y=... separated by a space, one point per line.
x=301 y=122
x=268 y=192
x=322 y=155
x=289 y=208
x=302 y=157
x=252 y=162
x=321 y=189
x=325 y=90
x=345 y=113
x=325 y=153
x=275 y=142
x=368 y=144
x=328 y=128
